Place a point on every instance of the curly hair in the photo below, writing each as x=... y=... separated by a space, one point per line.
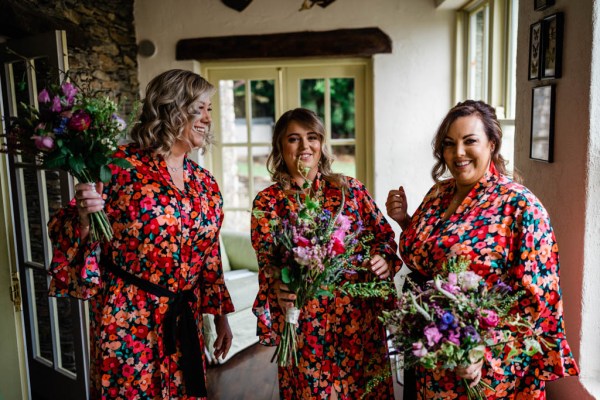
x=311 y=121
x=167 y=108
x=493 y=131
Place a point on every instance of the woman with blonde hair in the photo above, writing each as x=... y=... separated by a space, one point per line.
x=341 y=342
x=149 y=286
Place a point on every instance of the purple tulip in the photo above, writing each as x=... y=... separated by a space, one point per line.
x=80 y=121
x=44 y=96
x=69 y=91
x=43 y=143
x=56 y=106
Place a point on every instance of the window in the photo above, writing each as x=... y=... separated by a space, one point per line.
x=250 y=98
x=486 y=44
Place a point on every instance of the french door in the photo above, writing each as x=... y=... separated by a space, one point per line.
x=56 y=339
x=252 y=95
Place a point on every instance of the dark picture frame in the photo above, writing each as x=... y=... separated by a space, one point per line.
x=535 y=50
x=552 y=40
x=539 y=5
x=541 y=144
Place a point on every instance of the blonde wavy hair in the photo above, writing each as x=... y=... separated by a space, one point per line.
x=276 y=164
x=167 y=109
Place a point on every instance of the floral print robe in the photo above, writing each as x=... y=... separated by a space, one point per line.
x=161 y=234
x=341 y=342
x=506 y=233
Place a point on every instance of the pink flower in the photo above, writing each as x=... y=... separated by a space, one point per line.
x=338 y=246
x=70 y=91
x=44 y=96
x=488 y=319
x=80 y=121
x=43 y=143
x=56 y=106
x=469 y=280
x=433 y=335
x=343 y=223
x=419 y=350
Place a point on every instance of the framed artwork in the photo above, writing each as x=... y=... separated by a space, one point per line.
x=542 y=124
x=539 y=5
x=535 y=47
x=551 y=54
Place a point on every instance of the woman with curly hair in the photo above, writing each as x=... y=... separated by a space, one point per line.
x=149 y=286
x=341 y=342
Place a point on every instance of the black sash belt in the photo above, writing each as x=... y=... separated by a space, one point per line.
x=179 y=322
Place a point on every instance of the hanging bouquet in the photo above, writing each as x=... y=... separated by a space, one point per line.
x=457 y=320
x=316 y=249
x=73 y=131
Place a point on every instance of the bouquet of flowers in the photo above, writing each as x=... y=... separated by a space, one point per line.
x=456 y=319
x=73 y=131
x=316 y=248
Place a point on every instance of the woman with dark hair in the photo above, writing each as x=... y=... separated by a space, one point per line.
x=503 y=229
x=341 y=344
x=149 y=286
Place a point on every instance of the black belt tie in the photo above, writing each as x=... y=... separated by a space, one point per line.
x=179 y=322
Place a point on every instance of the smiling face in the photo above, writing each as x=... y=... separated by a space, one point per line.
x=198 y=127
x=467 y=151
x=301 y=144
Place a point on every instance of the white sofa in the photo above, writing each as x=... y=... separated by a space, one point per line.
x=241 y=277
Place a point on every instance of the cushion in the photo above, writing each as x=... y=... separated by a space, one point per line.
x=224 y=258
x=240 y=252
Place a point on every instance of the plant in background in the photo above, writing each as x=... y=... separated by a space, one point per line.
x=74 y=131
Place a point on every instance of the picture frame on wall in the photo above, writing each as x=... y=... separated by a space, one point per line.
x=552 y=38
x=539 y=5
x=542 y=124
x=535 y=47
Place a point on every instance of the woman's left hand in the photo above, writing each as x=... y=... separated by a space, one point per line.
x=224 y=336
x=378 y=265
x=471 y=372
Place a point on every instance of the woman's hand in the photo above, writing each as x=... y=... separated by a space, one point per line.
x=285 y=297
x=89 y=200
x=471 y=372
x=397 y=208
x=224 y=336
x=378 y=265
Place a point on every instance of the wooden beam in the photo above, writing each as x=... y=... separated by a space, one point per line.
x=342 y=42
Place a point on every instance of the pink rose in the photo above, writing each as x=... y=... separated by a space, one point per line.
x=44 y=96
x=488 y=319
x=419 y=350
x=80 y=121
x=43 y=143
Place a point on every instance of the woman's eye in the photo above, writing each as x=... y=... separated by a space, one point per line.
x=447 y=144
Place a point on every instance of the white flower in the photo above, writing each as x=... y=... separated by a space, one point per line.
x=468 y=280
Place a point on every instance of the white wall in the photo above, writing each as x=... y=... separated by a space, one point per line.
x=569 y=187
x=412 y=86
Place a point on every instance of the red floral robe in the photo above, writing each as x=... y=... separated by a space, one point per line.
x=506 y=233
x=341 y=341
x=161 y=234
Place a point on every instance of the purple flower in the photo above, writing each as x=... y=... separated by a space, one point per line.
x=43 y=143
x=44 y=96
x=419 y=350
x=62 y=126
x=56 y=106
x=433 y=335
x=69 y=91
x=502 y=287
x=454 y=336
x=471 y=334
x=447 y=321
x=121 y=124
x=80 y=121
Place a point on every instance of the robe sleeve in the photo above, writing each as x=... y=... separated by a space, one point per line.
x=216 y=299
x=534 y=268
x=374 y=222
x=74 y=269
x=269 y=315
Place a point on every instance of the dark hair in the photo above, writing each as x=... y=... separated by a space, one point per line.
x=487 y=115
x=311 y=121
x=167 y=109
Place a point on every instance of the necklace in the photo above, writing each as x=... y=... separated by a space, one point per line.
x=174 y=169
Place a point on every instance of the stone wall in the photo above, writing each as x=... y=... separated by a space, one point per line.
x=100 y=38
